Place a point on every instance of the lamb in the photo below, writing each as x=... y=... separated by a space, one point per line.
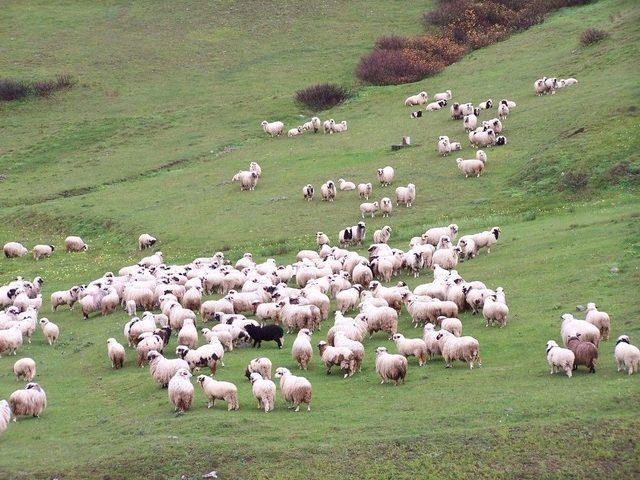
x=188 y=334
x=411 y=347
x=315 y=124
x=294 y=132
x=25 y=368
x=322 y=239
x=146 y=241
x=42 y=251
x=5 y=415
x=383 y=235
x=470 y=167
x=75 y=244
x=273 y=128
x=446 y=95
x=31 y=400
x=432 y=235
x=328 y=191
x=406 y=195
x=181 y=390
x=10 y=340
x=369 y=208
x=265 y=333
x=386 y=175
x=418 y=99
x=391 y=366
x=131 y=308
x=115 y=352
x=345 y=185
x=255 y=167
x=486 y=105
x=599 y=319
x=453 y=348
x=586 y=353
x=295 y=390
x=218 y=390
x=560 y=358
x=433 y=106
x=14 y=249
x=508 y=103
x=450 y=324
x=341 y=340
x=482 y=138
x=456 y=111
x=248 y=180
x=364 y=190
x=261 y=365
x=308 y=192
x=503 y=111
x=627 y=355
x=495 y=311
x=205 y=356
x=572 y=326
x=386 y=207
x=65 y=297
x=486 y=239
x=264 y=391
x=341 y=356
x=339 y=127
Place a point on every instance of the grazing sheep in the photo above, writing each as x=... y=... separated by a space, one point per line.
x=486 y=105
x=328 y=191
x=5 y=415
x=503 y=111
x=74 y=244
x=42 y=251
x=386 y=207
x=495 y=311
x=205 y=356
x=10 y=340
x=146 y=241
x=261 y=365
x=339 y=127
x=470 y=122
x=599 y=319
x=369 y=208
x=418 y=99
x=380 y=319
x=273 y=128
x=364 y=190
x=411 y=347
x=383 y=235
x=494 y=124
x=432 y=235
x=406 y=195
x=294 y=132
x=115 y=352
x=295 y=390
x=433 y=106
x=192 y=298
x=248 y=180
x=14 y=249
x=362 y=274
x=560 y=358
x=341 y=356
x=446 y=95
x=264 y=391
x=391 y=366
x=31 y=400
x=25 y=368
x=218 y=390
x=386 y=175
x=586 y=353
x=450 y=324
x=210 y=307
x=627 y=355
x=572 y=326
x=163 y=369
x=470 y=167
x=301 y=350
x=145 y=345
x=181 y=390
x=308 y=192
x=109 y=302
x=453 y=348
x=348 y=298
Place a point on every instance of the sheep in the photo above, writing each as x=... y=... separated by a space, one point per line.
x=180 y=390
x=308 y=192
x=115 y=352
x=273 y=128
x=362 y=274
x=314 y=124
x=146 y=241
x=586 y=353
x=248 y=180
x=42 y=251
x=599 y=319
x=386 y=207
x=225 y=337
x=432 y=235
x=470 y=122
x=265 y=333
x=14 y=249
x=571 y=326
x=163 y=369
x=456 y=111
x=341 y=340
x=205 y=356
x=328 y=191
x=369 y=208
x=417 y=99
x=486 y=239
x=345 y=185
x=261 y=365
x=295 y=390
x=383 y=319
x=411 y=347
x=210 y=307
x=482 y=138
x=188 y=334
x=406 y=195
x=301 y=350
x=500 y=140
x=294 y=132
x=75 y=244
x=10 y=340
x=264 y=391
x=131 y=308
x=450 y=324
x=560 y=358
x=364 y=190
x=31 y=400
x=486 y=105
x=145 y=345
x=433 y=106
x=255 y=167
x=429 y=336
x=468 y=109
x=494 y=124
x=217 y=390
x=495 y=311
x=446 y=95
x=386 y=175
x=266 y=311
x=567 y=82
x=328 y=125
x=627 y=355
x=341 y=356
x=444 y=147
x=192 y=298
x=446 y=256
x=339 y=127
x=391 y=366
x=178 y=314
x=24 y=303
x=352 y=235
x=348 y=298
x=508 y=103
x=25 y=368
x=109 y=302
x=453 y=348
x=322 y=239
x=470 y=167
x=295 y=317
x=503 y=111
x=5 y=415
x=383 y=235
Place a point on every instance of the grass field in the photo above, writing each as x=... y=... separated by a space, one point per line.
x=167 y=108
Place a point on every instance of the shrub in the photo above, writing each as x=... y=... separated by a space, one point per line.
x=573 y=181
x=323 y=96
x=12 y=89
x=43 y=88
x=591 y=36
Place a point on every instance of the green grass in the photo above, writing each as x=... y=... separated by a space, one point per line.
x=139 y=145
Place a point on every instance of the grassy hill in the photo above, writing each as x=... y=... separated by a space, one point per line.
x=167 y=108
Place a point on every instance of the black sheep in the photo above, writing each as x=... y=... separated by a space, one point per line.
x=266 y=333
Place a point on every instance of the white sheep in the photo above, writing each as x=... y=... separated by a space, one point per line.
x=219 y=390
x=116 y=353
x=430 y=339
x=261 y=365
x=486 y=105
x=14 y=249
x=486 y=239
x=188 y=334
x=627 y=355
x=328 y=125
x=339 y=127
x=31 y=400
x=432 y=235
x=42 y=251
x=248 y=180
x=344 y=185
x=308 y=192
x=364 y=190
x=411 y=347
x=367 y=208
x=341 y=340
x=383 y=235
x=163 y=369
x=494 y=124
x=406 y=195
x=256 y=168
x=599 y=319
x=180 y=390
x=446 y=95
x=301 y=350
x=444 y=147
x=264 y=391
x=560 y=358
x=328 y=191
x=418 y=99
x=341 y=356
x=295 y=390
x=146 y=241
x=495 y=311
x=50 y=330
x=450 y=324
x=25 y=368
x=470 y=122
x=391 y=366
x=503 y=111
x=386 y=175
x=433 y=106
x=571 y=326
x=75 y=244
x=453 y=348
x=294 y=132
x=65 y=297
x=508 y=103
x=5 y=415
x=10 y=340
x=273 y=128
x=386 y=206
x=482 y=138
